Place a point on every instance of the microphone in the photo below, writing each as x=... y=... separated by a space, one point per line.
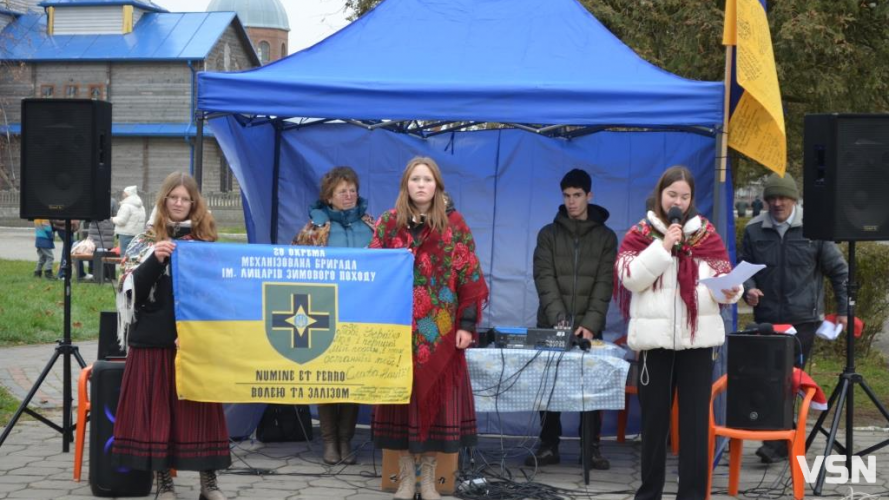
x=754 y=329
x=675 y=215
x=766 y=329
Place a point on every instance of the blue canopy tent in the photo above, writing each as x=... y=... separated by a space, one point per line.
x=420 y=77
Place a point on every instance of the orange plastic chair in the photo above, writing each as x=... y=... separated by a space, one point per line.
x=622 y=414
x=83 y=408
x=674 y=419
x=796 y=443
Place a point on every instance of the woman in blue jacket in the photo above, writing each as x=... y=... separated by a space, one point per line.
x=338 y=219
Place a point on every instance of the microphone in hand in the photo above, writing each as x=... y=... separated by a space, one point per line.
x=675 y=215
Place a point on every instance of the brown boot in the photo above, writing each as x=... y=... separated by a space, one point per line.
x=327 y=416
x=427 y=479
x=347 y=419
x=209 y=489
x=165 y=490
x=407 y=478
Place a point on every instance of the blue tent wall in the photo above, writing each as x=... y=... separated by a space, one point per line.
x=505 y=182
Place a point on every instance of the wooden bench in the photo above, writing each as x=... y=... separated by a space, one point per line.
x=99 y=259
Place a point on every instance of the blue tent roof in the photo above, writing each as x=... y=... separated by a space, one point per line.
x=521 y=61
x=157 y=36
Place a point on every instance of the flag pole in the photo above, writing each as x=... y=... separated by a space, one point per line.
x=722 y=154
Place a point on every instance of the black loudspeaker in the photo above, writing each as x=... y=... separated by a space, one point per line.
x=108 y=344
x=760 y=391
x=66 y=159
x=285 y=423
x=107 y=480
x=846 y=177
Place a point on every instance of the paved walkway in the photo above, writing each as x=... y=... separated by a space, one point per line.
x=33 y=466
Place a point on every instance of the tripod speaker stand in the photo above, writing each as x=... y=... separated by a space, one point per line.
x=844 y=393
x=65 y=350
x=845 y=183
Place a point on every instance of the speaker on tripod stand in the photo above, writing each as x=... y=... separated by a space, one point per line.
x=846 y=181
x=66 y=175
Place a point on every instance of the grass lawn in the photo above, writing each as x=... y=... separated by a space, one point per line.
x=875 y=370
x=232 y=238
x=33 y=308
x=236 y=229
x=8 y=405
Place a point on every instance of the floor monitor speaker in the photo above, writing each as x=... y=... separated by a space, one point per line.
x=760 y=390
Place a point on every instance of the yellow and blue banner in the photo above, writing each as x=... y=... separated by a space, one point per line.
x=292 y=324
x=756 y=127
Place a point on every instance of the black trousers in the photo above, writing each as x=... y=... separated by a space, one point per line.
x=690 y=371
x=551 y=428
x=805 y=332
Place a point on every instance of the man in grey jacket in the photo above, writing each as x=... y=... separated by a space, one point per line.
x=573 y=273
x=791 y=287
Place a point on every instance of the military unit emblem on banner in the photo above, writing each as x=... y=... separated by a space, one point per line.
x=300 y=319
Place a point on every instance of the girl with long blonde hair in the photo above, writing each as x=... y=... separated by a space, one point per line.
x=154 y=429
x=449 y=292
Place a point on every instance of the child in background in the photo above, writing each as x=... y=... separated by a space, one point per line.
x=43 y=240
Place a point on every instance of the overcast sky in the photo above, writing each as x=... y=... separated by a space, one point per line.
x=310 y=20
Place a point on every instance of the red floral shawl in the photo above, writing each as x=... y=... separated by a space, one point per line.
x=447 y=280
x=705 y=244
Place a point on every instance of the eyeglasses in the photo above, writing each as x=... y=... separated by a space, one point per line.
x=345 y=192
x=178 y=200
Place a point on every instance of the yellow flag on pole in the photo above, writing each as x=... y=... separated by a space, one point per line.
x=756 y=127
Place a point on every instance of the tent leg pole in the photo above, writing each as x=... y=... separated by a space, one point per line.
x=722 y=153
x=719 y=186
x=199 y=151
x=276 y=171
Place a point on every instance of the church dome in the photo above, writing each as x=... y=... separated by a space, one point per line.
x=255 y=13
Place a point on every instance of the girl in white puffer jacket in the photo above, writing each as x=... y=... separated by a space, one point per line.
x=674 y=322
x=130 y=218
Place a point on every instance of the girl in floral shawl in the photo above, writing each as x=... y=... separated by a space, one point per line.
x=155 y=430
x=449 y=292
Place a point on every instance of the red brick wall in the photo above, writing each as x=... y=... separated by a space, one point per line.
x=275 y=39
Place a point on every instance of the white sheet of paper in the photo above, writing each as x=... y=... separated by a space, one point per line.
x=741 y=273
x=829 y=331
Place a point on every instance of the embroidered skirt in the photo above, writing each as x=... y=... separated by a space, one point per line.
x=396 y=427
x=155 y=430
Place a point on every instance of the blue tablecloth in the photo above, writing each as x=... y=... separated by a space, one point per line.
x=510 y=380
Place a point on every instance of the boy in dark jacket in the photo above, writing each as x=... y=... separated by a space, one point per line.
x=573 y=273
